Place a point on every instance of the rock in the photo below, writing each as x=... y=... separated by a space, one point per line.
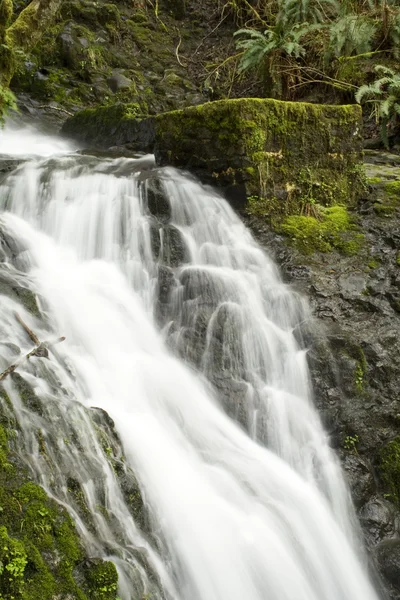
x=236 y=144
x=360 y=478
x=118 y=82
x=70 y=48
x=157 y=200
x=377 y=517
x=389 y=561
x=352 y=285
x=168 y=245
x=116 y=125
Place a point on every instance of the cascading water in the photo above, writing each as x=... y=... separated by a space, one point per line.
x=178 y=326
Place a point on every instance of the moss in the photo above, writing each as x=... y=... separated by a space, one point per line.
x=102 y=580
x=40 y=551
x=104 y=123
x=389 y=469
x=384 y=210
x=392 y=188
x=334 y=230
x=274 y=148
x=360 y=372
x=6 y=11
x=374 y=180
x=373 y=263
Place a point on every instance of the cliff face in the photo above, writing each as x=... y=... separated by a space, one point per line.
x=354 y=351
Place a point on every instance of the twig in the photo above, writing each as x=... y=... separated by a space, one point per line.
x=40 y=350
x=32 y=335
x=177 y=52
x=58 y=108
x=208 y=35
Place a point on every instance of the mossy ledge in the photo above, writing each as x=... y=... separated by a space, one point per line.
x=278 y=153
x=41 y=557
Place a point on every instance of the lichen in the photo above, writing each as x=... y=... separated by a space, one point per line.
x=332 y=230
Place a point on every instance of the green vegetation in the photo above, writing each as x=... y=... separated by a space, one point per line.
x=41 y=556
x=350 y=443
x=389 y=469
x=291 y=45
x=332 y=230
x=384 y=95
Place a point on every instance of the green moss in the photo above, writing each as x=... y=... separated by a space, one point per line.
x=40 y=552
x=275 y=149
x=392 y=188
x=384 y=210
x=360 y=372
x=389 y=469
x=6 y=11
x=334 y=230
x=373 y=263
x=374 y=180
x=103 y=581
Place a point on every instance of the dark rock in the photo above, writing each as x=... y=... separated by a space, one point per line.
x=389 y=561
x=168 y=245
x=118 y=81
x=360 y=478
x=377 y=518
x=157 y=200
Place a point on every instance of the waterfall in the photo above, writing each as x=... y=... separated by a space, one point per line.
x=179 y=327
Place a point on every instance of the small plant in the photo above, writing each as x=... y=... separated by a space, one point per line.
x=384 y=95
x=350 y=443
x=267 y=50
x=350 y=35
x=308 y=11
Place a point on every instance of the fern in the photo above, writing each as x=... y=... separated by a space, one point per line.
x=257 y=46
x=351 y=35
x=307 y=11
x=384 y=95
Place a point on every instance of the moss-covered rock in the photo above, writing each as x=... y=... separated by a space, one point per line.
x=389 y=469
x=282 y=151
x=331 y=229
x=114 y=125
x=41 y=557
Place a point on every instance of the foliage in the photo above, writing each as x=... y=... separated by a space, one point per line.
x=286 y=45
x=266 y=50
x=350 y=443
x=307 y=11
x=7 y=102
x=384 y=95
x=350 y=35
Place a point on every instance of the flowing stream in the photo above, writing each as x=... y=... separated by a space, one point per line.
x=179 y=327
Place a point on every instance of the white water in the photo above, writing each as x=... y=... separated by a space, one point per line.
x=249 y=510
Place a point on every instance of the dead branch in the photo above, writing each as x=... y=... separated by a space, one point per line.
x=41 y=350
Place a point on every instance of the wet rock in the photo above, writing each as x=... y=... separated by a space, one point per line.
x=389 y=561
x=157 y=200
x=377 y=518
x=168 y=245
x=360 y=478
